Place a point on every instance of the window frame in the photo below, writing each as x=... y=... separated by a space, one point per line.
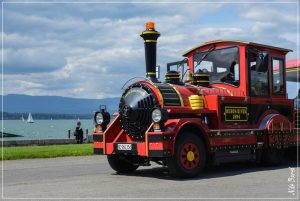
x=283 y=76
x=239 y=59
x=249 y=76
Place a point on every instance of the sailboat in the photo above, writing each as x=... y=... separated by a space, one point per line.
x=22 y=118
x=30 y=119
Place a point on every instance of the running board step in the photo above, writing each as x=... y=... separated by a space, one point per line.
x=234 y=156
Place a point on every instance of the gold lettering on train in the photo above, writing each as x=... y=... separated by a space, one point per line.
x=233 y=113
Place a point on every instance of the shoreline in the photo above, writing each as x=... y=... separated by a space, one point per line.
x=42 y=142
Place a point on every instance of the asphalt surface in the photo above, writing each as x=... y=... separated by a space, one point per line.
x=91 y=177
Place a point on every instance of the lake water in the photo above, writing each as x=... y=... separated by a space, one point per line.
x=44 y=129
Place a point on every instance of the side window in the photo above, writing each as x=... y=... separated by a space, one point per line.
x=277 y=76
x=222 y=65
x=205 y=65
x=259 y=82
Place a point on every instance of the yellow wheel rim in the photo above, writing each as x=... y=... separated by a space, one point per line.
x=190 y=156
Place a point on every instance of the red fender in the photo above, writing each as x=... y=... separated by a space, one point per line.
x=175 y=126
x=278 y=129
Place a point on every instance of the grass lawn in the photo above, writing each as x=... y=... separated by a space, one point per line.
x=51 y=151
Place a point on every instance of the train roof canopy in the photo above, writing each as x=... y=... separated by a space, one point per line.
x=237 y=41
x=292 y=63
x=292 y=70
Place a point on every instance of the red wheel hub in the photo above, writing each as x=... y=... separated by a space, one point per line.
x=189 y=156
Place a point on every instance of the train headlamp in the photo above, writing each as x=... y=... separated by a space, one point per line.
x=159 y=115
x=102 y=118
x=156 y=115
x=99 y=118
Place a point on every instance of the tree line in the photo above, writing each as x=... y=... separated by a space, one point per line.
x=43 y=116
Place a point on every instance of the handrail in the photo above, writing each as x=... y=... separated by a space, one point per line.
x=144 y=78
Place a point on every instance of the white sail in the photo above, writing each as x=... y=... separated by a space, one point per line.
x=30 y=119
x=22 y=118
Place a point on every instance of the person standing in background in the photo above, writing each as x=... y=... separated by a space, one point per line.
x=78 y=133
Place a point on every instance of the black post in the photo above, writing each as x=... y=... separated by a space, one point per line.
x=150 y=36
x=87 y=135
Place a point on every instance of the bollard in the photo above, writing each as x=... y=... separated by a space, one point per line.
x=69 y=133
x=87 y=135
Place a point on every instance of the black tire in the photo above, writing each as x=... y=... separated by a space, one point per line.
x=182 y=166
x=292 y=153
x=121 y=164
x=272 y=156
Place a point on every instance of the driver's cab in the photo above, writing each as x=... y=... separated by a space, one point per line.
x=251 y=68
x=253 y=74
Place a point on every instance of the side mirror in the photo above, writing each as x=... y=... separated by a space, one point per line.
x=262 y=62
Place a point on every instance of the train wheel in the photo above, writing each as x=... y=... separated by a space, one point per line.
x=121 y=164
x=272 y=156
x=292 y=153
x=189 y=158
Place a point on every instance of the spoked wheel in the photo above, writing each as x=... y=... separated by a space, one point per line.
x=189 y=158
x=292 y=153
x=272 y=156
x=121 y=164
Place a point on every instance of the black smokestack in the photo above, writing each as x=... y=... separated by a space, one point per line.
x=150 y=36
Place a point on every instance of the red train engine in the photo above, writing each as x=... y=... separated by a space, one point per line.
x=230 y=104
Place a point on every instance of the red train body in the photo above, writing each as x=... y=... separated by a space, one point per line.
x=234 y=108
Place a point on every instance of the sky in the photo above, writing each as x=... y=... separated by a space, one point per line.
x=89 y=50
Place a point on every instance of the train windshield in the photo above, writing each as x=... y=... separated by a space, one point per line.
x=221 y=64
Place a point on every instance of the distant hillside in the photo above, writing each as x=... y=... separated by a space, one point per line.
x=44 y=116
x=14 y=103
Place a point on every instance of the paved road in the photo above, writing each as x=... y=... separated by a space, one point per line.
x=91 y=177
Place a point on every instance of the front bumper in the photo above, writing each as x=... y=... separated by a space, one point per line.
x=98 y=143
x=155 y=144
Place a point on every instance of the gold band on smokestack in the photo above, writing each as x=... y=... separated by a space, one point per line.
x=150 y=36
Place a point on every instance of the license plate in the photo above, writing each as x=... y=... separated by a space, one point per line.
x=125 y=147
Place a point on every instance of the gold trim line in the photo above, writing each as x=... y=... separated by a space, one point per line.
x=150 y=41
x=151 y=73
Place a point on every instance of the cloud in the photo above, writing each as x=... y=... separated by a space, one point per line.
x=277 y=13
x=32 y=60
x=91 y=50
x=272 y=23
